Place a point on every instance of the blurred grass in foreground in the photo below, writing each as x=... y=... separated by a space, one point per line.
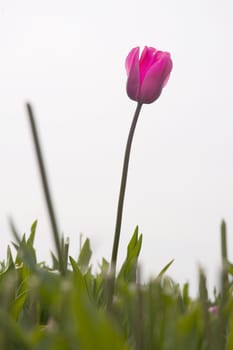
x=40 y=308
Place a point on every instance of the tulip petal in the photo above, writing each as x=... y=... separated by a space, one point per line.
x=161 y=55
x=130 y=58
x=146 y=60
x=132 y=68
x=155 y=78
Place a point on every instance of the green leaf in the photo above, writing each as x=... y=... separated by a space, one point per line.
x=10 y=262
x=104 y=267
x=56 y=265
x=79 y=278
x=17 y=304
x=229 y=267
x=133 y=241
x=26 y=254
x=129 y=267
x=165 y=268
x=32 y=234
x=96 y=330
x=85 y=256
x=186 y=298
x=11 y=335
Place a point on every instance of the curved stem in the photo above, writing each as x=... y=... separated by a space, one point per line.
x=122 y=189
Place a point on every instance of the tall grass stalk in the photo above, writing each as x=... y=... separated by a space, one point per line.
x=46 y=189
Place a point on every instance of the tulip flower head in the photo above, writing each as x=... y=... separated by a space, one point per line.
x=213 y=309
x=147 y=74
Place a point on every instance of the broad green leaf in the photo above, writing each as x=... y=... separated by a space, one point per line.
x=80 y=279
x=17 y=304
x=85 y=256
x=32 y=234
x=96 y=330
x=129 y=267
x=186 y=298
x=11 y=335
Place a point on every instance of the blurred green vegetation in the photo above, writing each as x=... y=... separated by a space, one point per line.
x=42 y=309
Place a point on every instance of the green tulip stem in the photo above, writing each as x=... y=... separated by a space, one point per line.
x=224 y=254
x=122 y=189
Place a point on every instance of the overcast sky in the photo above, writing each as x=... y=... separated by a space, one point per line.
x=67 y=59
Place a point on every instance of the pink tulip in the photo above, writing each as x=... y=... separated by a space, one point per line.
x=213 y=309
x=148 y=74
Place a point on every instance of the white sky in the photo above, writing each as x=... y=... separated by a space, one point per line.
x=67 y=58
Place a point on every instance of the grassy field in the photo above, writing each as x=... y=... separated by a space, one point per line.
x=40 y=308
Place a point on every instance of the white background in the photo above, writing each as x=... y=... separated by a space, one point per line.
x=67 y=59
